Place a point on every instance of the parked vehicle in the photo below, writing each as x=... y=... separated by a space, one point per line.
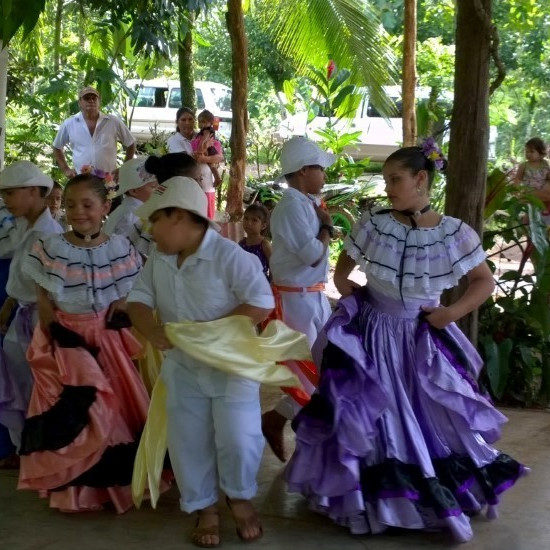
x=158 y=100
x=379 y=136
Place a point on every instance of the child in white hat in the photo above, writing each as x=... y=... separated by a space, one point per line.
x=24 y=188
x=301 y=231
x=135 y=184
x=214 y=429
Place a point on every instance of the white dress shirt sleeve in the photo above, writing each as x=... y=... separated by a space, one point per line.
x=299 y=236
x=143 y=290
x=123 y=134
x=62 y=137
x=246 y=279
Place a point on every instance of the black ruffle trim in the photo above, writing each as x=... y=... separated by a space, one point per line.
x=59 y=426
x=114 y=469
x=444 y=493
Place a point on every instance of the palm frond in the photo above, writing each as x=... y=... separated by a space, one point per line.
x=313 y=31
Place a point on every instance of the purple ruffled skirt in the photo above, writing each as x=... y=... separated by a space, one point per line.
x=398 y=433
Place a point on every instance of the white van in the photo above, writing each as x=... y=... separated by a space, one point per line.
x=379 y=136
x=158 y=101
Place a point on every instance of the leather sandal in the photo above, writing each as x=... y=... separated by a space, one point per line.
x=199 y=533
x=242 y=523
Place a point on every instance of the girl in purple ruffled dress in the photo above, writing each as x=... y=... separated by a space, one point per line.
x=399 y=433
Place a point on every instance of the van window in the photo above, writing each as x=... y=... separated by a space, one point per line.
x=175 y=98
x=149 y=96
x=222 y=98
x=373 y=113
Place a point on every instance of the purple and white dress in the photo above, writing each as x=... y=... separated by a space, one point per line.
x=399 y=433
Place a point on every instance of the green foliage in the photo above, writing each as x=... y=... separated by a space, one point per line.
x=515 y=322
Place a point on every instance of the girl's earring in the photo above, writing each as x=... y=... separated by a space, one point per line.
x=420 y=191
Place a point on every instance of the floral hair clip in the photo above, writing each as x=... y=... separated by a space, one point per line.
x=432 y=152
x=107 y=177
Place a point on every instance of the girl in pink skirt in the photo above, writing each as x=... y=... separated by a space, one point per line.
x=88 y=404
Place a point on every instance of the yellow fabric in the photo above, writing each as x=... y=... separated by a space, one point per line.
x=230 y=344
x=149 y=362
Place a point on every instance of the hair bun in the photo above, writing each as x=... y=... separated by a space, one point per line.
x=153 y=165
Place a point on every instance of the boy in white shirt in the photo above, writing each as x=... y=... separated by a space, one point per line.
x=214 y=432
x=301 y=231
x=136 y=185
x=24 y=189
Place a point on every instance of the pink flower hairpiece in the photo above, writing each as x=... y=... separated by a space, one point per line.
x=432 y=152
x=107 y=177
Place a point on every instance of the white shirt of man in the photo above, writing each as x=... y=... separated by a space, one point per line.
x=99 y=150
x=294 y=228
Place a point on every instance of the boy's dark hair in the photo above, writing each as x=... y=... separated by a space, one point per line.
x=170 y=165
x=97 y=185
x=538 y=145
x=415 y=160
x=57 y=185
x=44 y=192
x=206 y=115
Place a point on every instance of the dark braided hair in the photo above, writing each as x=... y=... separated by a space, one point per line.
x=170 y=165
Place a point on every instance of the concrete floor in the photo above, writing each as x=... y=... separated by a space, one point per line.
x=26 y=523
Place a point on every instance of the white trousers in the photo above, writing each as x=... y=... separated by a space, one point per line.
x=306 y=312
x=214 y=433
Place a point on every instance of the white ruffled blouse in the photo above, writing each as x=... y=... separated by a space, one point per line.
x=418 y=263
x=83 y=279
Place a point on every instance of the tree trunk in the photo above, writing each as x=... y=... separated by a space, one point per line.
x=3 y=94
x=185 y=63
x=57 y=36
x=409 y=74
x=468 y=149
x=239 y=126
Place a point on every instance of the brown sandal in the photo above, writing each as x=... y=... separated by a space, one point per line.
x=244 y=523
x=199 y=533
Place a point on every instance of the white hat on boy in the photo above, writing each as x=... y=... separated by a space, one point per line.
x=132 y=175
x=298 y=152
x=178 y=192
x=24 y=173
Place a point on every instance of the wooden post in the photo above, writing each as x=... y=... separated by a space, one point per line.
x=468 y=148
x=239 y=126
x=3 y=97
x=409 y=74
x=185 y=65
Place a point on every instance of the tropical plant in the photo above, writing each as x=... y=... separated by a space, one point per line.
x=514 y=329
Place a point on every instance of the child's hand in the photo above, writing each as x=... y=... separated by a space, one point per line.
x=158 y=338
x=438 y=317
x=346 y=287
x=323 y=215
x=117 y=305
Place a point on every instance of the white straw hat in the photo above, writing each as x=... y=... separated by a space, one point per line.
x=24 y=173
x=178 y=192
x=132 y=175
x=298 y=152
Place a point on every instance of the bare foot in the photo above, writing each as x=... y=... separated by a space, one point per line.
x=206 y=533
x=247 y=522
x=273 y=425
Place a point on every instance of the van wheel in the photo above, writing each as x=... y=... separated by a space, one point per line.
x=342 y=220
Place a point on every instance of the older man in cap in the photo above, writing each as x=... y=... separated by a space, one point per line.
x=92 y=136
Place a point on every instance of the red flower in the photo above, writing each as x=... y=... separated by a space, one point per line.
x=331 y=67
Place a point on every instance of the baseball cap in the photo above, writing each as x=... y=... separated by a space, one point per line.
x=177 y=192
x=132 y=175
x=300 y=151
x=24 y=173
x=87 y=90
